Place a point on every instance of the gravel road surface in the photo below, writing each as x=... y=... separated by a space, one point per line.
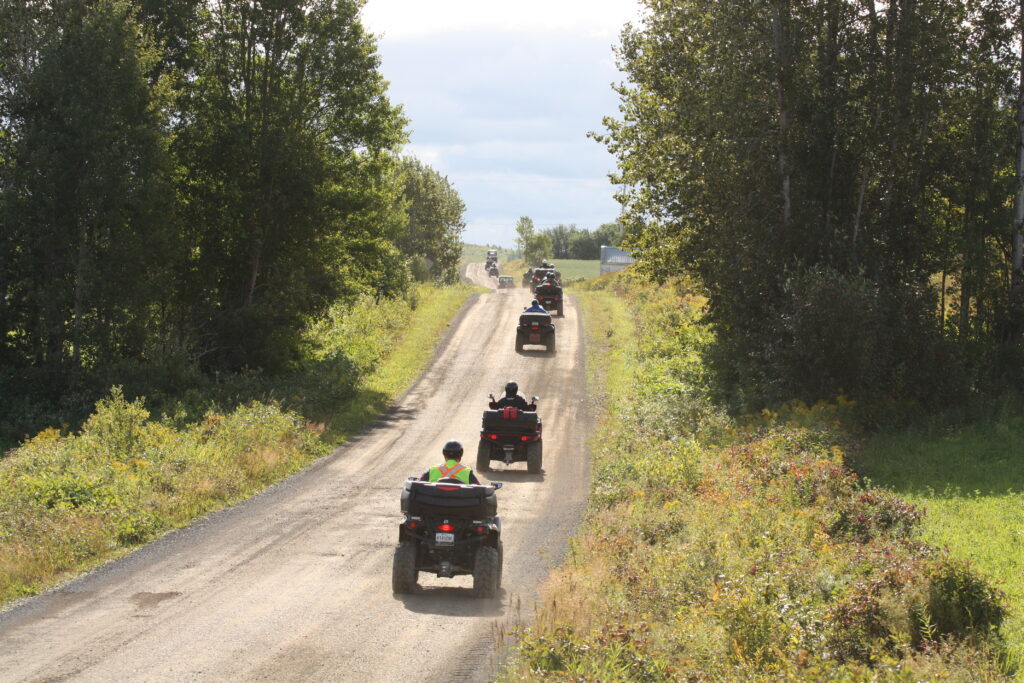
x=295 y=584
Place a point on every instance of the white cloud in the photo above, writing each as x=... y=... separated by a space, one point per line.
x=401 y=18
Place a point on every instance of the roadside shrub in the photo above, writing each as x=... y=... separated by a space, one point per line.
x=874 y=513
x=960 y=602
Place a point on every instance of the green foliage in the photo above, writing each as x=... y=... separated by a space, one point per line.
x=435 y=224
x=571 y=242
x=533 y=245
x=821 y=167
x=728 y=552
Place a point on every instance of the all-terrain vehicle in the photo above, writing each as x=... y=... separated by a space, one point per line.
x=511 y=435
x=541 y=274
x=535 y=329
x=549 y=295
x=492 y=269
x=450 y=529
x=492 y=256
x=506 y=282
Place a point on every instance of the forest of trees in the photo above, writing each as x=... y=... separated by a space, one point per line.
x=192 y=182
x=839 y=177
x=564 y=241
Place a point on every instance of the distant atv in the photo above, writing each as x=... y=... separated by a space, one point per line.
x=492 y=256
x=506 y=282
x=549 y=295
x=511 y=435
x=535 y=329
x=449 y=529
x=492 y=270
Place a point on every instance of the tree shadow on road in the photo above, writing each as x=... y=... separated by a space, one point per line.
x=514 y=476
x=453 y=602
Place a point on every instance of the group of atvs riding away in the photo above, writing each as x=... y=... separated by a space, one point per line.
x=451 y=524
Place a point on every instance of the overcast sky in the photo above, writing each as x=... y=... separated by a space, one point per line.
x=501 y=96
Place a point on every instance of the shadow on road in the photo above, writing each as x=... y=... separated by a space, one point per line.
x=453 y=602
x=514 y=475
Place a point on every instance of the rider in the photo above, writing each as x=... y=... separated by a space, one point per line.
x=511 y=399
x=535 y=307
x=452 y=467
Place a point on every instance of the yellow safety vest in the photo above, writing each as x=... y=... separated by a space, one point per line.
x=450 y=470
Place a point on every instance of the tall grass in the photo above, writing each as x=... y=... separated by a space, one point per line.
x=714 y=551
x=969 y=480
x=72 y=500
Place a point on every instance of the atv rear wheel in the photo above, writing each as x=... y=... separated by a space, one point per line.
x=551 y=345
x=483 y=457
x=403 y=571
x=560 y=311
x=519 y=343
x=535 y=457
x=486 y=572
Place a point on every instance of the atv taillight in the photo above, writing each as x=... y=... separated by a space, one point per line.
x=524 y=438
x=446 y=527
x=557 y=298
x=412 y=525
x=494 y=437
x=534 y=328
x=479 y=529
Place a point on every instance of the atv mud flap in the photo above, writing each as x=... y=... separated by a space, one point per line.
x=510 y=451
x=534 y=338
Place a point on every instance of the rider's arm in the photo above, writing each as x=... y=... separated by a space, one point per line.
x=472 y=478
x=426 y=476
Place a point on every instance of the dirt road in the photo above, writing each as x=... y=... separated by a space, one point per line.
x=295 y=584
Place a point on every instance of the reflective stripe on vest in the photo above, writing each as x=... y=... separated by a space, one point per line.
x=454 y=471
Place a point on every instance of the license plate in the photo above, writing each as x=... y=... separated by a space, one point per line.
x=535 y=338
x=444 y=538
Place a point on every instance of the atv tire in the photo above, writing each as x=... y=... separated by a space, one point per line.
x=519 y=344
x=403 y=571
x=561 y=313
x=550 y=348
x=483 y=457
x=535 y=457
x=486 y=572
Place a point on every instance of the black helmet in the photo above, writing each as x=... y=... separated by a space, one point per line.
x=511 y=389
x=452 y=449
x=535 y=303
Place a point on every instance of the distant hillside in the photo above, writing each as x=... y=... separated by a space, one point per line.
x=476 y=253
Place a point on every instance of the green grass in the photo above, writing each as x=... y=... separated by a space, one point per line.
x=72 y=501
x=573 y=270
x=970 y=482
x=714 y=551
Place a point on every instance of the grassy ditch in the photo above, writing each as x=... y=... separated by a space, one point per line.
x=716 y=551
x=72 y=501
x=969 y=480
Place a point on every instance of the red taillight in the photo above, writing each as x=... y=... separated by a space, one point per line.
x=479 y=529
x=494 y=437
x=446 y=527
x=412 y=525
x=557 y=298
x=534 y=328
x=525 y=438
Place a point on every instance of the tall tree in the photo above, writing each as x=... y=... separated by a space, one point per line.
x=87 y=229
x=432 y=233
x=289 y=183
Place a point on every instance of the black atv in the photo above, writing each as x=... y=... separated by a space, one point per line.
x=492 y=270
x=450 y=529
x=511 y=435
x=549 y=295
x=535 y=329
x=541 y=274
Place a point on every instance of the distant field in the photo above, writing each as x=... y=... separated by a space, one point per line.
x=578 y=270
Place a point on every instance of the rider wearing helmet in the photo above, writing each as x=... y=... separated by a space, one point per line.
x=452 y=468
x=535 y=307
x=511 y=399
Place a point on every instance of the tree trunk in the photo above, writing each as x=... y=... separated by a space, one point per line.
x=781 y=66
x=1016 y=276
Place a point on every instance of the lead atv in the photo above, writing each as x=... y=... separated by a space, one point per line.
x=535 y=329
x=450 y=529
x=511 y=435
